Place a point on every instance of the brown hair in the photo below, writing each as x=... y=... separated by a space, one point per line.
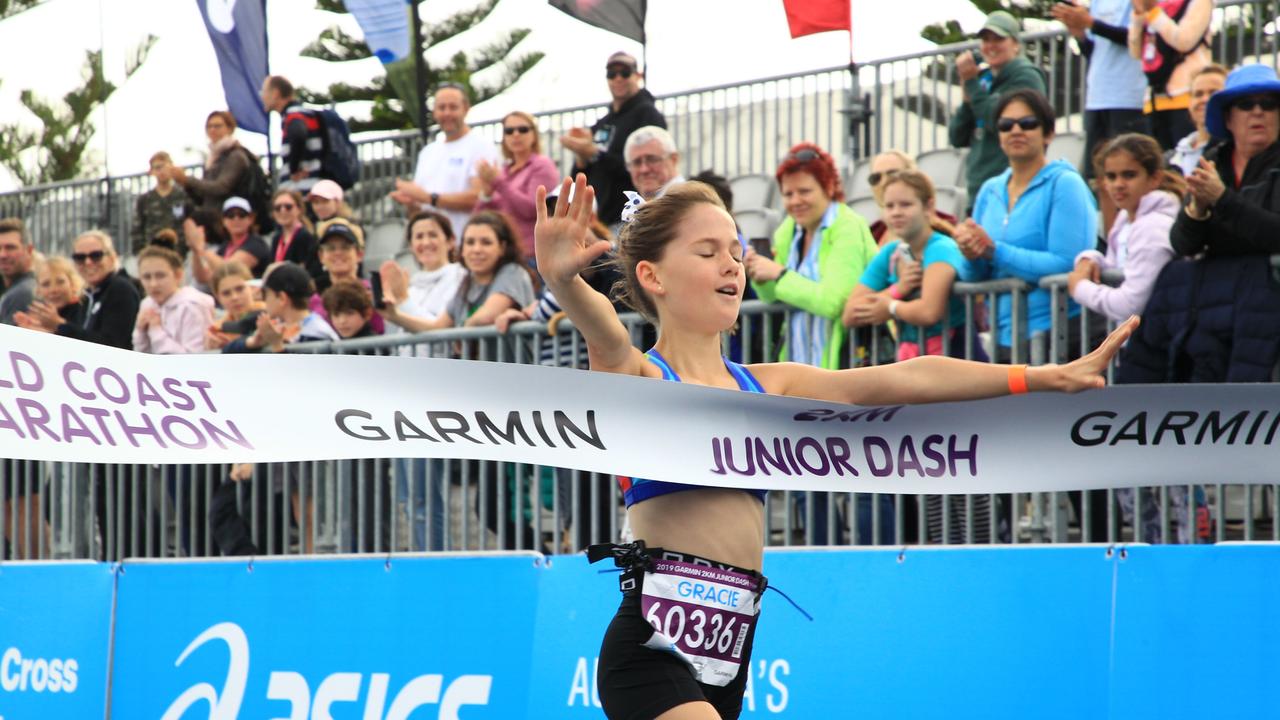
x=1146 y=152
x=161 y=155
x=165 y=238
x=60 y=264
x=226 y=116
x=12 y=225
x=646 y=237
x=442 y=221
x=923 y=187
x=163 y=253
x=1210 y=69
x=301 y=204
x=280 y=84
x=347 y=296
x=228 y=269
x=533 y=125
x=507 y=236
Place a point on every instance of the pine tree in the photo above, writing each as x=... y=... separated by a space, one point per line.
x=9 y=8
x=57 y=150
x=394 y=95
x=947 y=32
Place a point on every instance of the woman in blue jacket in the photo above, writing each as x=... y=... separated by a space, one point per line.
x=1029 y=221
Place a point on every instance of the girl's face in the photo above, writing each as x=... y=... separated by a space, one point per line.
x=285 y=210
x=234 y=295
x=904 y=213
x=699 y=281
x=804 y=198
x=429 y=244
x=481 y=250
x=159 y=279
x=324 y=208
x=55 y=288
x=238 y=223
x=340 y=258
x=1127 y=181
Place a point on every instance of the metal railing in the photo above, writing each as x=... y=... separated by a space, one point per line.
x=69 y=510
x=735 y=129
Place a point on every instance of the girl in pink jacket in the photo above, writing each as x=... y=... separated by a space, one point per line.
x=172 y=318
x=1147 y=196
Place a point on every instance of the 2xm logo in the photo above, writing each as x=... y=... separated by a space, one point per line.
x=341 y=687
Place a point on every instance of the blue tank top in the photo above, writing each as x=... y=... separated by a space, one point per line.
x=636 y=490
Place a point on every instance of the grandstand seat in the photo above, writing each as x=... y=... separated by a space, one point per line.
x=757 y=222
x=1069 y=146
x=944 y=166
x=754 y=192
x=855 y=183
x=951 y=200
x=866 y=207
x=382 y=241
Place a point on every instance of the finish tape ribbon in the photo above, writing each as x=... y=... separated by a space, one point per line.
x=66 y=400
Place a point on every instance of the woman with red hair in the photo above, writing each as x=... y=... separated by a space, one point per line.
x=819 y=252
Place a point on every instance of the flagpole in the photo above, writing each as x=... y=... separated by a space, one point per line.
x=273 y=180
x=644 y=42
x=420 y=69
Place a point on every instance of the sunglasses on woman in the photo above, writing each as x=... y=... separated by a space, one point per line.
x=874 y=178
x=1028 y=123
x=1266 y=102
x=522 y=129
x=82 y=258
x=282 y=207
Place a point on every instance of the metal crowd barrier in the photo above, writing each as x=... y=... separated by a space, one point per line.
x=73 y=510
x=735 y=129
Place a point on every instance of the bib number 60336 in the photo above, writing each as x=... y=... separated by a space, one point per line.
x=673 y=622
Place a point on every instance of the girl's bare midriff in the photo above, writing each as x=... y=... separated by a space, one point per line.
x=721 y=524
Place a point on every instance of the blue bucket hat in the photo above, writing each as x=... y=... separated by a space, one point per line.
x=1243 y=81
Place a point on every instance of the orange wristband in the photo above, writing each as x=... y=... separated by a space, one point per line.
x=1017 y=379
x=1153 y=14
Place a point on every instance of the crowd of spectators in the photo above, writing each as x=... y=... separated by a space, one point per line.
x=1177 y=192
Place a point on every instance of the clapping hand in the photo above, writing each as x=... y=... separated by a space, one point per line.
x=148 y=318
x=563 y=241
x=39 y=316
x=402 y=195
x=488 y=173
x=966 y=66
x=1205 y=186
x=1076 y=18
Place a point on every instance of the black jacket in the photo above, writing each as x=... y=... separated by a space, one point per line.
x=1211 y=320
x=302 y=251
x=1246 y=219
x=112 y=309
x=608 y=172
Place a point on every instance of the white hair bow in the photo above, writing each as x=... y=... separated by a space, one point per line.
x=634 y=201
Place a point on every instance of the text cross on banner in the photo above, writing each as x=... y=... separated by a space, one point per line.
x=66 y=400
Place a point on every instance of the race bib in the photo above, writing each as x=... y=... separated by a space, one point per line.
x=703 y=615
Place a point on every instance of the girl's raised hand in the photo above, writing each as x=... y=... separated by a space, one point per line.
x=563 y=241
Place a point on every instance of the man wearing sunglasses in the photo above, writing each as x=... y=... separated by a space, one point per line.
x=17 y=282
x=996 y=69
x=599 y=151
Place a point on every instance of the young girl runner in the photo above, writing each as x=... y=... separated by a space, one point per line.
x=682 y=266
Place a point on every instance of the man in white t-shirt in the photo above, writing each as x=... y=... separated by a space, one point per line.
x=445 y=177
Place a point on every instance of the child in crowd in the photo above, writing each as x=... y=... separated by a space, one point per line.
x=922 y=296
x=350 y=309
x=327 y=202
x=341 y=252
x=172 y=318
x=61 y=287
x=240 y=308
x=286 y=292
x=1147 y=197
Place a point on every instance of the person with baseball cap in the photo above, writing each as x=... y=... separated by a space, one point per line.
x=997 y=68
x=598 y=152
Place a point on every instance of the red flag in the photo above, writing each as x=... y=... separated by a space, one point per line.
x=806 y=17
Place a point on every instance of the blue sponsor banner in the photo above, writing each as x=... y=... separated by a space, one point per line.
x=345 y=638
x=55 y=623
x=1196 y=632
x=925 y=633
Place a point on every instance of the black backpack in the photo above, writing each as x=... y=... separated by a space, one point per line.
x=341 y=163
x=254 y=187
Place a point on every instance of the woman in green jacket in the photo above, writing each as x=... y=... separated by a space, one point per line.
x=819 y=252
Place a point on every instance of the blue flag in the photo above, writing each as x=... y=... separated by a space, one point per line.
x=385 y=24
x=238 y=29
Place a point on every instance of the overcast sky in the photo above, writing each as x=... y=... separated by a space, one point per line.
x=692 y=44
